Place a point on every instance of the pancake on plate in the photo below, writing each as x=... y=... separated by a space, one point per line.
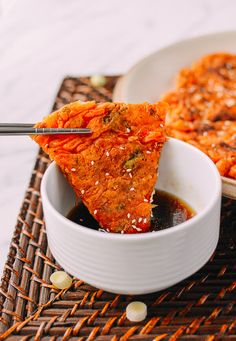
x=203 y=109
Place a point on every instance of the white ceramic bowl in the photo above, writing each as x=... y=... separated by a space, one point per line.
x=155 y=74
x=141 y=263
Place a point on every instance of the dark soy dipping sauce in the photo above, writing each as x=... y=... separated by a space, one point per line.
x=170 y=211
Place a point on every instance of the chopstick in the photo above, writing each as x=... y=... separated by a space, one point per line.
x=11 y=129
x=11 y=125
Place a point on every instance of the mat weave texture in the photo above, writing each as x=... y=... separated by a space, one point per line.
x=202 y=307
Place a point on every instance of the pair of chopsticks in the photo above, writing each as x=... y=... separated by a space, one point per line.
x=8 y=129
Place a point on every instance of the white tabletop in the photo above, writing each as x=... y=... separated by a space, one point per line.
x=41 y=41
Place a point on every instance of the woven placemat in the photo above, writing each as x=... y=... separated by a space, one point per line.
x=202 y=307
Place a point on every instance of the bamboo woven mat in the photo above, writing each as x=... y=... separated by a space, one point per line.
x=202 y=307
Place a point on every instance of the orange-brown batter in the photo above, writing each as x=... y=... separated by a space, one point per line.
x=113 y=170
x=203 y=109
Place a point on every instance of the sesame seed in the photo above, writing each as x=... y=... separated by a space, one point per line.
x=148 y=152
x=128 y=130
x=132 y=189
x=145 y=220
x=97 y=182
x=206 y=121
x=205 y=133
x=122 y=148
x=145 y=200
x=130 y=175
x=151 y=199
x=82 y=191
x=219 y=88
x=122 y=232
x=213 y=145
x=107 y=153
x=128 y=170
x=107 y=174
x=133 y=221
x=230 y=102
x=102 y=230
x=161 y=125
x=128 y=215
x=197 y=97
x=95 y=211
x=92 y=163
x=191 y=89
x=73 y=169
x=136 y=228
x=140 y=219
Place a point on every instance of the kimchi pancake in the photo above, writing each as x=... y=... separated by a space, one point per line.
x=114 y=169
x=203 y=109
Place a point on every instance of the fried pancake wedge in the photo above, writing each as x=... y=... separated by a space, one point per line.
x=114 y=169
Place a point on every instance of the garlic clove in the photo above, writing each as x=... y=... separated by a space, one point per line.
x=98 y=81
x=136 y=311
x=61 y=280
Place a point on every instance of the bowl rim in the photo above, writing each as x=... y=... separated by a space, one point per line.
x=138 y=236
x=145 y=59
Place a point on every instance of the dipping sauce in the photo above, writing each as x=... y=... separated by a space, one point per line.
x=169 y=211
